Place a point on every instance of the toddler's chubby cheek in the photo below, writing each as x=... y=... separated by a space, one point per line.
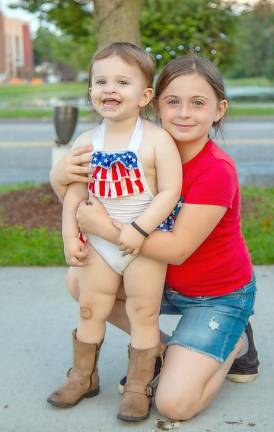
x=96 y=101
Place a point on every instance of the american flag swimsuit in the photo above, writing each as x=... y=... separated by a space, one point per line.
x=120 y=174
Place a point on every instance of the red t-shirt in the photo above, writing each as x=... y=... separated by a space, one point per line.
x=222 y=263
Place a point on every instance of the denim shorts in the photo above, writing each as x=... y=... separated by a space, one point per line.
x=210 y=325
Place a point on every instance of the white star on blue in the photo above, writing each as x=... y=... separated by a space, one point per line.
x=168 y=223
x=106 y=160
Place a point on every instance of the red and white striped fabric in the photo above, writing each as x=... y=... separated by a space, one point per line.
x=115 y=181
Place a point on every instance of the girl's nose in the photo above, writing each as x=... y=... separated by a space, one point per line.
x=183 y=110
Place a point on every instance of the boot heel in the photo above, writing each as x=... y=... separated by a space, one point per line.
x=92 y=393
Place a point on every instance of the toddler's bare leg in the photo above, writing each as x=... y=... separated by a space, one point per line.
x=118 y=316
x=144 y=282
x=72 y=283
x=98 y=285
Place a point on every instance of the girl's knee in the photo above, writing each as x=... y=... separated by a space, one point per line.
x=176 y=408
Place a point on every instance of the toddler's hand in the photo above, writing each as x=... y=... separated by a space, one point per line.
x=130 y=240
x=75 y=252
x=91 y=216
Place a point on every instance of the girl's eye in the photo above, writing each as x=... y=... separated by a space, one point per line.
x=198 y=103
x=172 y=101
x=100 y=82
x=123 y=82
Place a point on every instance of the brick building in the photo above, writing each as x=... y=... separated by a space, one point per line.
x=16 y=58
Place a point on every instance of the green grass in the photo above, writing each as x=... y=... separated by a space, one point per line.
x=41 y=247
x=41 y=114
x=24 y=94
x=38 y=101
x=256 y=111
x=26 y=114
x=258 y=224
x=35 y=247
x=254 y=81
x=17 y=186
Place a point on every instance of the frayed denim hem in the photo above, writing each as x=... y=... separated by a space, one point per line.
x=174 y=342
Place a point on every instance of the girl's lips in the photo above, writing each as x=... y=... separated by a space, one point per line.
x=183 y=126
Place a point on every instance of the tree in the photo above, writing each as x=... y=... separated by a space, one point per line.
x=117 y=20
x=205 y=26
x=105 y=20
x=52 y=48
x=255 y=51
x=202 y=26
x=73 y=17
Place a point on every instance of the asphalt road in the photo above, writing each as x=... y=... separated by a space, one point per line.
x=26 y=147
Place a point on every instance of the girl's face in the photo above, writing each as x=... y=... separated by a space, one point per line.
x=118 y=89
x=188 y=107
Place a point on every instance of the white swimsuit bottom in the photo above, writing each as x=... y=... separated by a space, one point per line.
x=111 y=254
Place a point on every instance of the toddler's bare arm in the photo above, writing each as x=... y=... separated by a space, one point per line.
x=169 y=181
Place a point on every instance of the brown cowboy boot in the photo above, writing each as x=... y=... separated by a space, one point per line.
x=83 y=379
x=136 y=400
x=157 y=369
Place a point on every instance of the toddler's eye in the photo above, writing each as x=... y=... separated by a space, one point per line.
x=100 y=82
x=123 y=82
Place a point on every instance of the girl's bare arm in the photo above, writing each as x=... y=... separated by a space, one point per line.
x=70 y=168
x=76 y=192
x=193 y=225
x=74 y=249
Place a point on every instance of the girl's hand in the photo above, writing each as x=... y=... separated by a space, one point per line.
x=75 y=252
x=92 y=217
x=70 y=167
x=130 y=240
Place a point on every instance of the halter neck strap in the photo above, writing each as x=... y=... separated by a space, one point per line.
x=134 y=142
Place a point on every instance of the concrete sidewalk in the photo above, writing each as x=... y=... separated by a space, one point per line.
x=35 y=321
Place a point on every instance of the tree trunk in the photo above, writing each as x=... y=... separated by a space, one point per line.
x=117 y=20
